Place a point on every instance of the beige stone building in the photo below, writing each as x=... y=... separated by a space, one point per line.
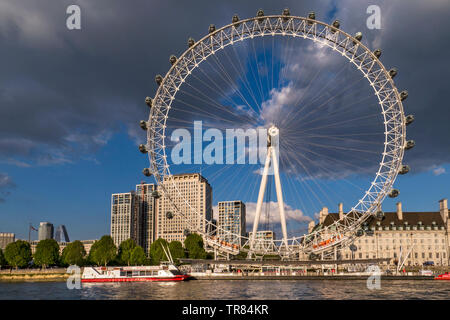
x=6 y=238
x=414 y=238
x=195 y=204
x=268 y=236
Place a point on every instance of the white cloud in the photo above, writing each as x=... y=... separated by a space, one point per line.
x=292 y=214
x=437 y=171
x=281 y=99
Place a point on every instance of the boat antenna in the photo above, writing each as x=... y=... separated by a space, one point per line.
x=167 y=255
x=168 y=250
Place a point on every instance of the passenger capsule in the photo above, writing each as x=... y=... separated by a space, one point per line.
x=379 y=215
x=409 y=119
x=169 y=215
x=377 y=53
x=394 y=193
x=212 y=28
x=191 y=42
x=158 y=79
x=143 y=148
x=286 y=13
x=143 y=125
x=147 y=172
x=403 y=95
x=409 y=144
x=392 y=73
x=155 y=194
x=148 y=101
x=235 y=19
x=260 y=13
x=336 y=24
x=311 y=16
x=404 y=169
x=186 y=232
x=172 y=59
x=358 y=36
x=359 y=232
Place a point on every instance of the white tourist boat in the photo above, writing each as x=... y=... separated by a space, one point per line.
x=163 y=272
x=166 y=271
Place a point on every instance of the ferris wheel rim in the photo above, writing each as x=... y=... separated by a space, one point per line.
x=399 y=147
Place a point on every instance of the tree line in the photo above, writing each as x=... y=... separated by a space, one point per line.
x=103 y=252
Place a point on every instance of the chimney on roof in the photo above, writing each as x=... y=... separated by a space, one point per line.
x=341 y=211
x=311 y=226
x=399 y=211
x=323 y=214
x=443 y=209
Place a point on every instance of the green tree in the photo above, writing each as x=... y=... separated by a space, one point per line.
x=2 y=259
x=138 y=257
x=103 y=251
x=194 y=245
x=18 y=254
x=176 y=250
x=74 y=254
x=156 y=251
x=125 y=250
x=47 y=253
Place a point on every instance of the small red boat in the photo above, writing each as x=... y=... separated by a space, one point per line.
x=444 y=276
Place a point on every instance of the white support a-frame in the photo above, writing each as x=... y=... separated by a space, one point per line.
x=271 y=156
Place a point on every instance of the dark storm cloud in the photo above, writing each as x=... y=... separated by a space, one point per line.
x=414 y=39
x=64 y=93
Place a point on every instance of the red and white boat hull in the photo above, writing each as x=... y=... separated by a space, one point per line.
x=137 y=279
x=133 y=274
x=445 y=276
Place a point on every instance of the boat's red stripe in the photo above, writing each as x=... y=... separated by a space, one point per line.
x=176 y=278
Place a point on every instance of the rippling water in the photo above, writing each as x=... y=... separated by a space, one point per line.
x=226 y=289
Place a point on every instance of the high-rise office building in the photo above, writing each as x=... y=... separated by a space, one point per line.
x=45 y=231
x=192 y=195
x=231 y=221
x=6 y=238
x=61 y=234
x=124 y=217
x=133 y=216
x=145 y=203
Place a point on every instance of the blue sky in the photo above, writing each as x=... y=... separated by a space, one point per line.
x=70 y=102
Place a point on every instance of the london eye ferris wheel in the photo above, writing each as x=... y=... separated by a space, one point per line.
x=334 y=119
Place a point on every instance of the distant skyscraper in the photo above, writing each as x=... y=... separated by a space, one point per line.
x=146 y=206
x=45 y=231
x=231 y=221
x=61 y=234
x=195 y=203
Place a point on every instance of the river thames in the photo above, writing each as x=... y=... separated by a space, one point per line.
x=230 y=289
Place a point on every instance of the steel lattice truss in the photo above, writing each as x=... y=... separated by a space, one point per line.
x=342 y=232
